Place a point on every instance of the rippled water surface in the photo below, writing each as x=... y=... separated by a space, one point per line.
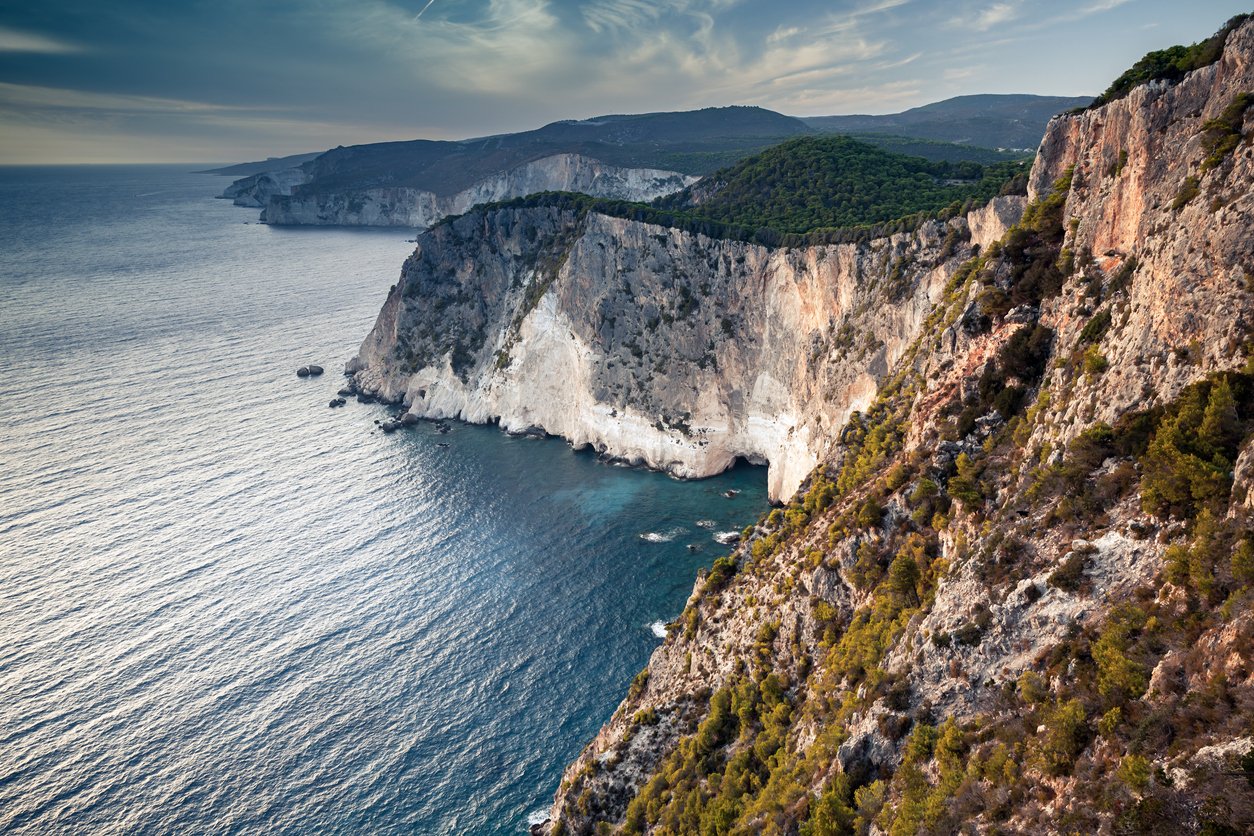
x=226 y=608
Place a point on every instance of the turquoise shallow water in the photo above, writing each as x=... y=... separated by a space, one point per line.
x=226 y=608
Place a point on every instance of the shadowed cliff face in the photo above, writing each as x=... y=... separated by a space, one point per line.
x=654 y=345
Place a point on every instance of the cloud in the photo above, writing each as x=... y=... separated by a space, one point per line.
x=368 y=70
x=33 y=96
x=994 y=15
x=11 y=40
x=614 y=15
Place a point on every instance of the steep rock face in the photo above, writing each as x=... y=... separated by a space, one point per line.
x=416 y=208
x=256 y=190
x=1133 y=161
x=653 y=345
x=1019 y=581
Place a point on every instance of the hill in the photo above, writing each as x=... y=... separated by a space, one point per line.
x=819 y=182
x=691 y=142
x=986 y=121
x=262 y=166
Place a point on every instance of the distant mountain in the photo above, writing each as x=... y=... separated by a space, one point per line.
x=617 y=156
x=691 y=142
x=261 y=166
x=987 y=121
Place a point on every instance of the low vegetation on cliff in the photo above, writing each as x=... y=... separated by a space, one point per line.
x=1170 y=64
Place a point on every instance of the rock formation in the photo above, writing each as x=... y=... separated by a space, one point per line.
x=1011 y=589
x=288 y=198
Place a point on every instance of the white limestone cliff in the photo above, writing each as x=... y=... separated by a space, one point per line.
x=290 y=198
x=657 y=346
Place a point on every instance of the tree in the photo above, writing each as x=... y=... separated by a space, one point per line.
x=1220 y=432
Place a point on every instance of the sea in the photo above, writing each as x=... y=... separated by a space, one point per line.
x=228 y=608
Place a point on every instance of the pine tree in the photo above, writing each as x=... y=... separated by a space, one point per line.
x=1220 y=432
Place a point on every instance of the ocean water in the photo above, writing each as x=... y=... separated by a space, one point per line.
x=227 y=608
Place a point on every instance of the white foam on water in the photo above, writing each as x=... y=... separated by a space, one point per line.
x=661 y=536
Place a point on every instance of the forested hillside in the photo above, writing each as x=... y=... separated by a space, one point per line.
x=820 y=182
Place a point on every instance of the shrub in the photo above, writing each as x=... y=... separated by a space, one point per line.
x=1026 y=353
x=1032 y=688
x=1069 y=576
x=870 y=514
x=1096 y=327
x=1187 y=464
x=1221 y=135
x=1117 y=675
x=1094 y=361
x=720 y=573
x=1243 y=563
x=1066 y=735
x=1134 y=771
x=1189 y=189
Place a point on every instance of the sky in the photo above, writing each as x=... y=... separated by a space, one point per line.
x=233 y=80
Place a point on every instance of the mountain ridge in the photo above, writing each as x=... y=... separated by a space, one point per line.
x=984 y=120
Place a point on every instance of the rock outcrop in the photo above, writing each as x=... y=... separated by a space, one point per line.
x=256 y=190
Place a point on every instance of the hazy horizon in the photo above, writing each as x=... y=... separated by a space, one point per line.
x=238 y=81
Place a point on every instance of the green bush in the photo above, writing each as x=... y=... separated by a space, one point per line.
x=1188 y=463
x=1171 y=64
x=1066 y=735
x=1094 y=361
x=1069 y=576
x=1096 y=327
x=1189 y=189
x=1118 y=675
x=1221 y=135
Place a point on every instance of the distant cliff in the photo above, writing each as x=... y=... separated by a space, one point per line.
x=287 y=203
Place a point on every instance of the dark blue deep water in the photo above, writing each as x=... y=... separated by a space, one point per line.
x=226 y=608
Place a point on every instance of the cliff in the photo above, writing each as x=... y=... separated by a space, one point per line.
x=283 y=201
x=255 y=190
x=420 y=208
x=653 y=345
x=1012 y=586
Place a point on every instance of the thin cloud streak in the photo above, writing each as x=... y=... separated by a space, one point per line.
x=12 y=40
